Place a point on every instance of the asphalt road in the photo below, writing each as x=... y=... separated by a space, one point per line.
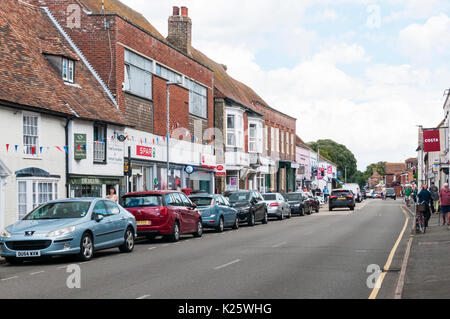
x=322 y=256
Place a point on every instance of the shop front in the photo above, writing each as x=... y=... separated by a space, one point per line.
x=286 y=176
x=93 y=186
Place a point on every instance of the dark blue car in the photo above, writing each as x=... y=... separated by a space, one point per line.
x=216 y=212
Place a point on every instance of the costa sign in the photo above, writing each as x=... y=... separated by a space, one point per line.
x=431 y=141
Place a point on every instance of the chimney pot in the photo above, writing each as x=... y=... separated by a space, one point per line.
x=184 y=11
x=176 y=11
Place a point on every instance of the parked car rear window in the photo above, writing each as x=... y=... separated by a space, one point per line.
x=270 y=197
x=239 y=197
x=61 y=210
x=143 y=201
x=202 y=201
x=294 y=197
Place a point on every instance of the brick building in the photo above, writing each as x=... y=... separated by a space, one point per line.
x=136 y=61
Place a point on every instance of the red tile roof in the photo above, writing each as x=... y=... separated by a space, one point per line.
x=27 y=77
x=395 y=168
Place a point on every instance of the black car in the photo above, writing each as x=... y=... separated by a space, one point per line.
x=390 y=193
x=341 y=199
x=299 y=203
x=250 y=205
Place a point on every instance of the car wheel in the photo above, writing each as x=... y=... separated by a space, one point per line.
x=265 y=221
x=199 y=232
x=290 y=215
x=251 y=221
x=236 y=224
x=13 y=260
x=310 y=210
x=317 y=210
x=128 y=245
x=302 y=211
x=352 y=208
x=331 y=209
x=175 y=237
x=86 y=247
x=282 y=215
x=220 y=228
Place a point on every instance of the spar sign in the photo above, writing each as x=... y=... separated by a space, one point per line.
x=431 y=141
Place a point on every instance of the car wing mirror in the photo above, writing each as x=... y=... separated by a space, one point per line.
x=98 y=217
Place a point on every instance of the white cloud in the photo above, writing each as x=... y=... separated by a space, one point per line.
x=423 y=42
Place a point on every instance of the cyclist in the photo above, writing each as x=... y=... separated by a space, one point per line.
x=426 y=199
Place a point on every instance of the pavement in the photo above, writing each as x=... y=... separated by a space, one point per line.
x=324 y=256
x=427 y=272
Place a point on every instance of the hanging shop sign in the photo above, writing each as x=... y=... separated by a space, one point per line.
x=431 y=141
x=189 y=169
x=80 y=141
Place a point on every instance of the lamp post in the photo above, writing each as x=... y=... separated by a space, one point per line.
x=168 y=84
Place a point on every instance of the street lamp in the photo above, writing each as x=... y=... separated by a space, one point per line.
x=168 y=84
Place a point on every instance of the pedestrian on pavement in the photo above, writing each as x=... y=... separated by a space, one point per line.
x=434 y=190
x=444 y=197
x=384 y=193
x=426 y=199
x=113 y=195
x=408 y=192
x=414 y=194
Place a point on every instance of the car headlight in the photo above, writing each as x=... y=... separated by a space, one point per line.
x=5 y=234
x=61 y=232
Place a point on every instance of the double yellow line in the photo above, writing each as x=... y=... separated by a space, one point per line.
x=386 y=268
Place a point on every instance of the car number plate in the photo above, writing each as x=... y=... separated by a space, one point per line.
x=341 y=198
x=144 y=223
x=26 y=254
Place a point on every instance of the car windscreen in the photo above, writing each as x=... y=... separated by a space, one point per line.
x=270 y=197
x=390 y=191
x=61 y=210
x=239 y=197
x=293 y=197
x=201 y=201
x=142 y=201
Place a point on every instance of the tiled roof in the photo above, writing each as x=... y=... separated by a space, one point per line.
x=394 y=168
x=27 y=77
x=117 y=7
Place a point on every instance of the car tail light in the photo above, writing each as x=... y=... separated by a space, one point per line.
x=333 y=197
x=350 y=196
x=274 y=205
x=164 y=212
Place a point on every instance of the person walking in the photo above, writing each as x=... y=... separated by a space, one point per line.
x=425 y=198
x=444 y=197
x=434 y=190
x=408 y=192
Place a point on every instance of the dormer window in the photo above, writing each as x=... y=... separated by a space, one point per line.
x=68 y=70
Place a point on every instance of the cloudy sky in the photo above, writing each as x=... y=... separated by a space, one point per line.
x=363 y=73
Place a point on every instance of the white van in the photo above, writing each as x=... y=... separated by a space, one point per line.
x=355 y=189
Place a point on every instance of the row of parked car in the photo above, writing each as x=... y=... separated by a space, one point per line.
x=80 y=227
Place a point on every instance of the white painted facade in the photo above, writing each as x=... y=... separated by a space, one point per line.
x=89 y=172
x=51 y=133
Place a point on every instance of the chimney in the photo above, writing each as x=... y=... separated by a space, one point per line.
x=180 y=30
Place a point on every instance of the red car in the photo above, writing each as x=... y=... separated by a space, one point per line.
x=164 y=213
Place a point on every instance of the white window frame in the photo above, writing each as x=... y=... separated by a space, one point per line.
x=288 y=149
x=200 y=91
x=68 y=70
x=147 y=71
x=27 y=148
x=277 y=140
x=266 y=137
x=32 y=194
x=257 y=141
x=238 y=128
x=282 y=142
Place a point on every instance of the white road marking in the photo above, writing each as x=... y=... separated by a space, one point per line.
x=144 y=297
x=37 y=273
x=152 y=248
x=229 y=264
x=165 y=245
x=10 y=278
x=279 y=245
x=62 y=267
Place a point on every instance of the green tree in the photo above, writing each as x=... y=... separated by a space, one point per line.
x=340 y=155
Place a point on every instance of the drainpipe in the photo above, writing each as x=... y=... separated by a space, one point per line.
x=68 y=120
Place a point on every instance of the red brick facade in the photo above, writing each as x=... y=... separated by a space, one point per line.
x=95 y=41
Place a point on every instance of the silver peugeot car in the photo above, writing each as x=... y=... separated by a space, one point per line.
x=277 y=206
